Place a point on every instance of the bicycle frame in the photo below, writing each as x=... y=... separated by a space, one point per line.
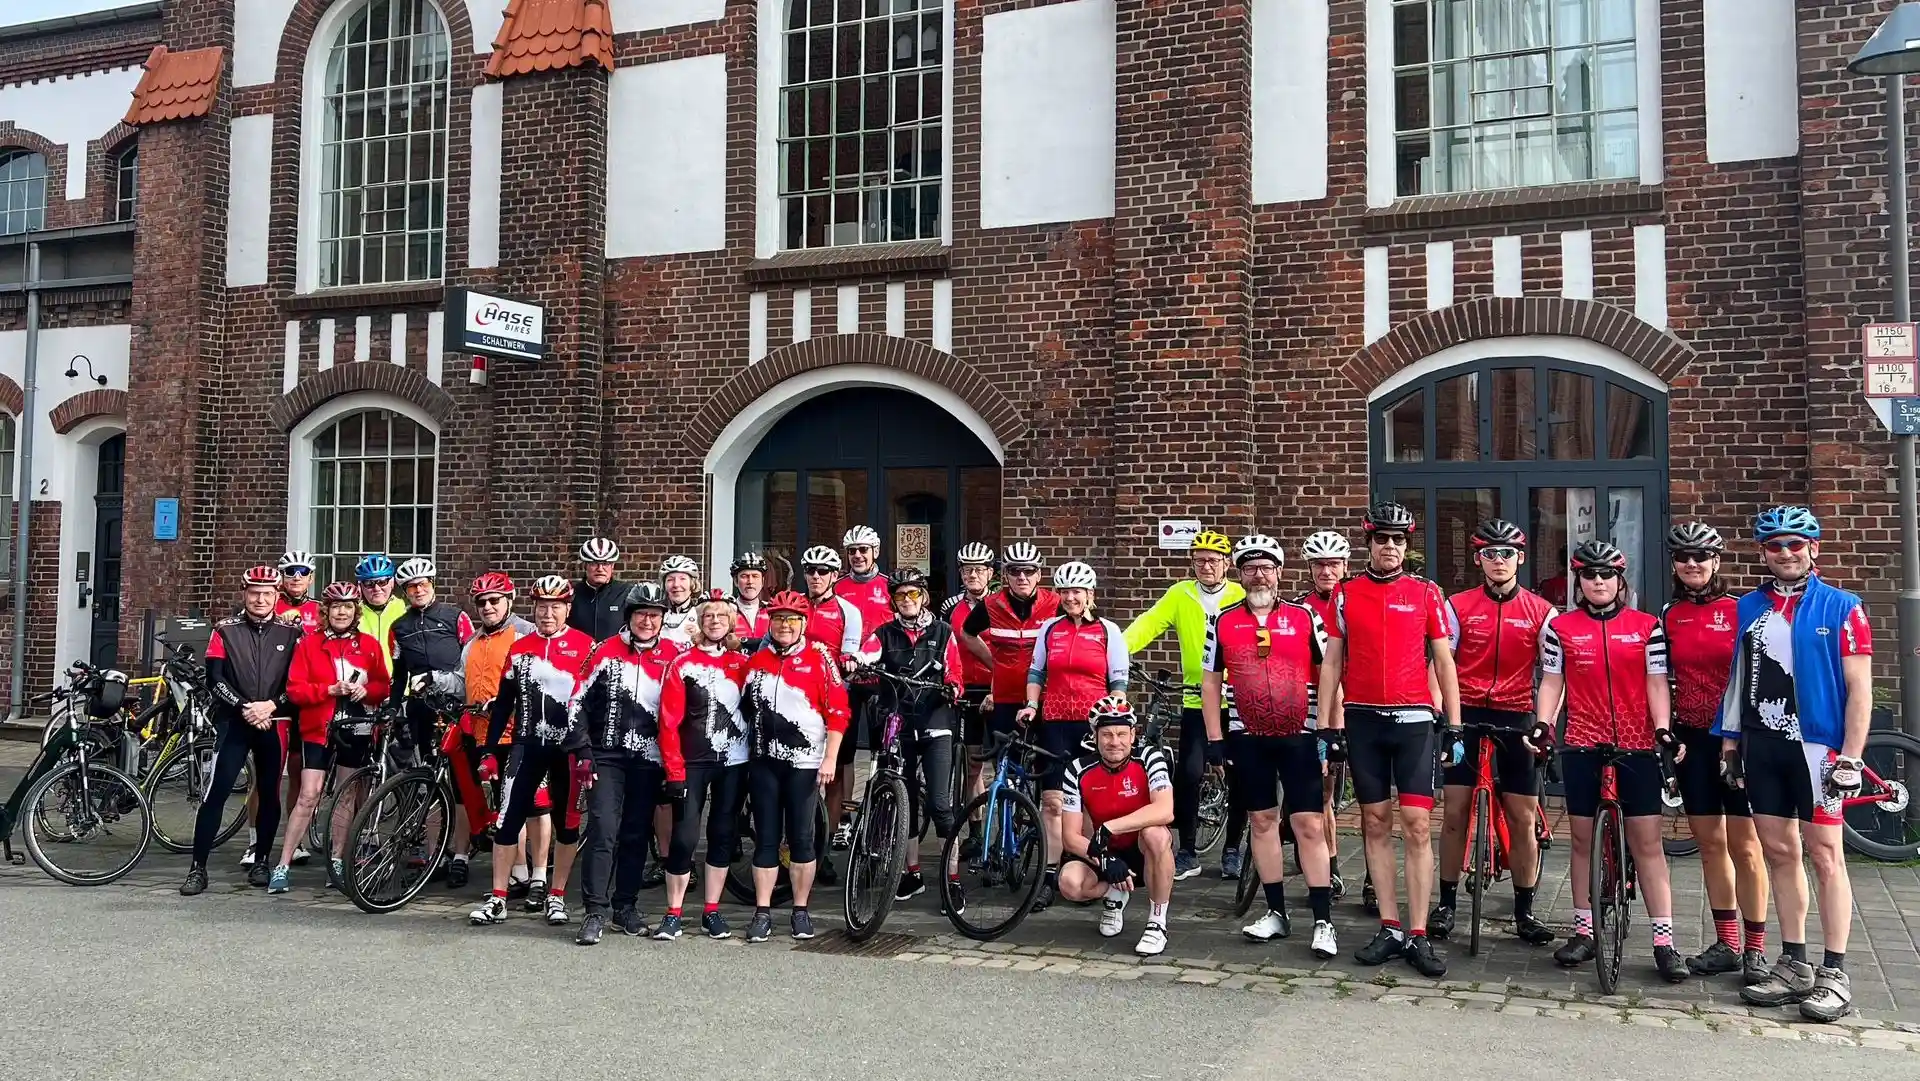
x=1486 y=782
x=65 y=743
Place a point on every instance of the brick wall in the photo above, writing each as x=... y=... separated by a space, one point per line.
x=45 y=583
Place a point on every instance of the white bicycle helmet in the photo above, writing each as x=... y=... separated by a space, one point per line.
x=599 y=550
x=1326 y=544
x=1021 y=554
x=1258 y=544
x=860 y=536
x=295 y=558
x=1074 y=575
x=679 y=565
x=413 y=570
x=820 y=556
x=552 y=587
x=975 y=554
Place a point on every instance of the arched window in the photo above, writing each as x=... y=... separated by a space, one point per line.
x=6 y=495
x=126 y=183
x=862 y=105
x=23 y=192
x=373 y=489
x=1569 y=452
x=383 y=149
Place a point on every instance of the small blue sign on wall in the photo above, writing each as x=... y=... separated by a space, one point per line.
x=1906 y=416
x=166 y=519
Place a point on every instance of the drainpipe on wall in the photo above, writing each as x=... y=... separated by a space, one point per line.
x=24 y=498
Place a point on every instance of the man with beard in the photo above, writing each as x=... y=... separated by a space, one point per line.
x=598 y=596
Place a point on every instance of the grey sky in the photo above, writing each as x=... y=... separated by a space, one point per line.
x=28 y=11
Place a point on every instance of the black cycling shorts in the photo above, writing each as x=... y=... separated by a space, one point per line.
x=1788 y=779
x=1387 y=755
x=1702 y=789
x=1265 y=766
x=973 y=721
x=313 y=756
x=1061 y=738
x=1514 y=767
x=1638 y=779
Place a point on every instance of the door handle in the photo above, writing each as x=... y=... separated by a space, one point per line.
x=86 y=592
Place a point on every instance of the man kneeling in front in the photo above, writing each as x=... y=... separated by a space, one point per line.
x=1116 y=807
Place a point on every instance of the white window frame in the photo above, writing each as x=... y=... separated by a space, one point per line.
x=126 y=165
x=771 y=73
x=1382 y=142
x=10 y=425
x=27 y=210
x=313 y=103
x=300 y=458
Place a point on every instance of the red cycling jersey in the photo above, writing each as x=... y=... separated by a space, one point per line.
x=973 y=671
x=1606 y=663
x=873 y=599
x=1856 y=639
x=1496 y=645
x=834 y=622
x=1700 y=641
x=1105 y=794
x=309 y=610
x=1271 y=663
x=793 y=697
x=1386 y=624
x=1077 y=664
x=1322 y=606
x=751 y=627
x=322 y=660
x=1011 y=639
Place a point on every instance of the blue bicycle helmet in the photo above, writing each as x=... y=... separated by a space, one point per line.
x=373 y=568
x=1789 y=521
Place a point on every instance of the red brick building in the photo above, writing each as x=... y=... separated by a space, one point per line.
x=1005 y=269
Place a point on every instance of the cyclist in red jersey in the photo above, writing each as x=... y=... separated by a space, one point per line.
x=1388 y=626
x=1701 y=626
x=1326 y=553
x=1269 y=651
x=870 y=592
x=833 y=621
x=1002 y=629
x=1118 y=804
x=976 y=577
x=1607 y=663
x=1497 y=647
x=295 y=603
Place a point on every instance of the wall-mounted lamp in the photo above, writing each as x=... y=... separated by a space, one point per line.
x=73 y=369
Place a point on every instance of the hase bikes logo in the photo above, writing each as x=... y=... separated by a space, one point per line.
x=496 y=318
x=502 y=327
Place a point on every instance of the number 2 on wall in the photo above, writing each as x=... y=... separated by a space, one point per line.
x=43 y=486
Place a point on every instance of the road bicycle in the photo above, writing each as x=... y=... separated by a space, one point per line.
x=1612 y=880
x=401 y=832
x=1005 y=877
x=1875 y=821
x=1489 y=838
x=85 y=822
x=882 y=829
x=1164 y=710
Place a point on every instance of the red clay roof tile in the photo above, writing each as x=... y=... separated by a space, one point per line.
x=176 y=86
x=547 y=35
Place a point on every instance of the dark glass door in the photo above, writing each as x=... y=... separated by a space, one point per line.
x=108 y=505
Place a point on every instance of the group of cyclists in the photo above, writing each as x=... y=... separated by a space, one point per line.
x=657 y=708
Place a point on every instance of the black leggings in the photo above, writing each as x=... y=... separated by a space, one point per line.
x=236 y=739
x=722 y=786
x=526 y=767
x=930 y=762
x=1187 y=776
x=619 y=825
x=783 y=795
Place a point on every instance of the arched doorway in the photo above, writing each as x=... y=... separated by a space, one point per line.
x=1569 y=451
x=883 y=457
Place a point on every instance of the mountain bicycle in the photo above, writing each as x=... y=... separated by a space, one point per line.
x=1005 y=877
x=398 y=837
x=882 y=828
x=84 y=822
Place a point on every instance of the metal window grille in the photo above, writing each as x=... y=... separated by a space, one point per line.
x=373 y=491
x=23 y=192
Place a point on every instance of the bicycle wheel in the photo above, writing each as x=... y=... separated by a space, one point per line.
x=996 y=891
x=338 y=803
x=176 y=787
x=1211 y=821
x=1607 y=883
x=1342 y=787
x=1479 y=865
x=396 y=841
x=876 y=857
x=1675 y=835
x=1249 y=885
x=1875 y=823
x=740 y=869
x=86 y=826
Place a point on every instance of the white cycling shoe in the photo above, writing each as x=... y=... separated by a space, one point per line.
x=1113 y=914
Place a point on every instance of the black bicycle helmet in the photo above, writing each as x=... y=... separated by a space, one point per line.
x=908 y=579
x=646 y=594
x=1499 y=533
x=1695 y=537
x=1388 y=517
x=748 y=561
x=1599 y=555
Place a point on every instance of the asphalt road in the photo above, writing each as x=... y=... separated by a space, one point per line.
x=122 y=983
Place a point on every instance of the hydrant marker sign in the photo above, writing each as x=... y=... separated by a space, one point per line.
x=1892 y=366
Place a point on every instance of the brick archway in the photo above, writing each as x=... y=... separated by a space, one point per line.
x=12 y=398
x=403 y=383
x=1501 y=317
x=87 y=405
x=914 y=358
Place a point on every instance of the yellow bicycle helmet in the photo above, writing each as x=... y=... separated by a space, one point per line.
x=1209 y=541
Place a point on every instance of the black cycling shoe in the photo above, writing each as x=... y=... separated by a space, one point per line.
x=1714 y=960
x=970 y=848
x=1531 y=931
x=953 y=900
x=196 y=882
x=1385 y=947
x=1672 y=968
x=517 y=888
x=1578 y=951
x=590 y=930
x=1043 y=899
x=536 y=896
x=1440 y=922
x=258 y=874
x=912 y=884
x=1369 y=899
x=653 y=877
x=457 y=875
x=1419 y=953
x=629 y=920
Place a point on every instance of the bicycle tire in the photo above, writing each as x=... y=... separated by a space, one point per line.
x=1021 y=878
x=740 y=867
x=359 y=782
x=100 y=781
x=876 y=857
x=1671 y=808
x=1210 y=819
x=180 y=776
x=1607 y=893
x=1343 y=796
x=1249 y=887
x=1480 y=859
x=415 y=797
x=1899 y=753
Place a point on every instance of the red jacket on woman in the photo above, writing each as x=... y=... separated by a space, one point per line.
x=324 y=659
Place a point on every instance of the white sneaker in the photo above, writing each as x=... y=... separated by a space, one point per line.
x=1113 y=915
x=556 y=910
x=301 y=855
x=246 y=858
x=1324 y=945
x=1153 y=941
x=491 y=910
x=1266 y=928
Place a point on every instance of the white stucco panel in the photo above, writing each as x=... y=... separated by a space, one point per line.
x=631 y=15
x=485 y=17
x=71 y=112
x=1289 y=100
x=483 y=178
x=256 y=39
x=249 y=198
x=667 y=157
x=1047 y=114
x=1752 y=79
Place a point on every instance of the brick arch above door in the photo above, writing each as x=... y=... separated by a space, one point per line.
x=1616 y=328
x=909 y=357
x=366 y=375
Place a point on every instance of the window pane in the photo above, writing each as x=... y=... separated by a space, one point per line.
x=1415 y=500
x=1457 y=513
x=1626 y=530
x=836 y=499
x=1558 y=519
x=1456 y=407
x=1569 y=416
x=1407 y=429
x=383 y=460
x=1629 y=424
x=1513 y=416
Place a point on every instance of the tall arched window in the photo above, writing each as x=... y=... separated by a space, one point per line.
x=1569 y=452
x=23 y=192
x=126 y=183
x=373 y=489
x=383 y=150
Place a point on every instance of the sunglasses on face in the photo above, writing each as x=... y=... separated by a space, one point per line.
x=1022 y=572
x=786 y=617
x=1598 y=574
x=297 y=572
x=814 y=572
x=909 y=595
x=1694 y=557
x=1796 y=546
x=1398 y=540
x=1498 y=552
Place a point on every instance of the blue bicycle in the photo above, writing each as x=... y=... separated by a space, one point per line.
x=988 y=894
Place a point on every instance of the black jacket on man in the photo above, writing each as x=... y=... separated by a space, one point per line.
x=597 y=609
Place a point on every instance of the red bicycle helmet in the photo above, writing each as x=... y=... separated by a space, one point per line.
x=788 y=601
x=492 y=584
x=261 y=575
x=341 y=593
